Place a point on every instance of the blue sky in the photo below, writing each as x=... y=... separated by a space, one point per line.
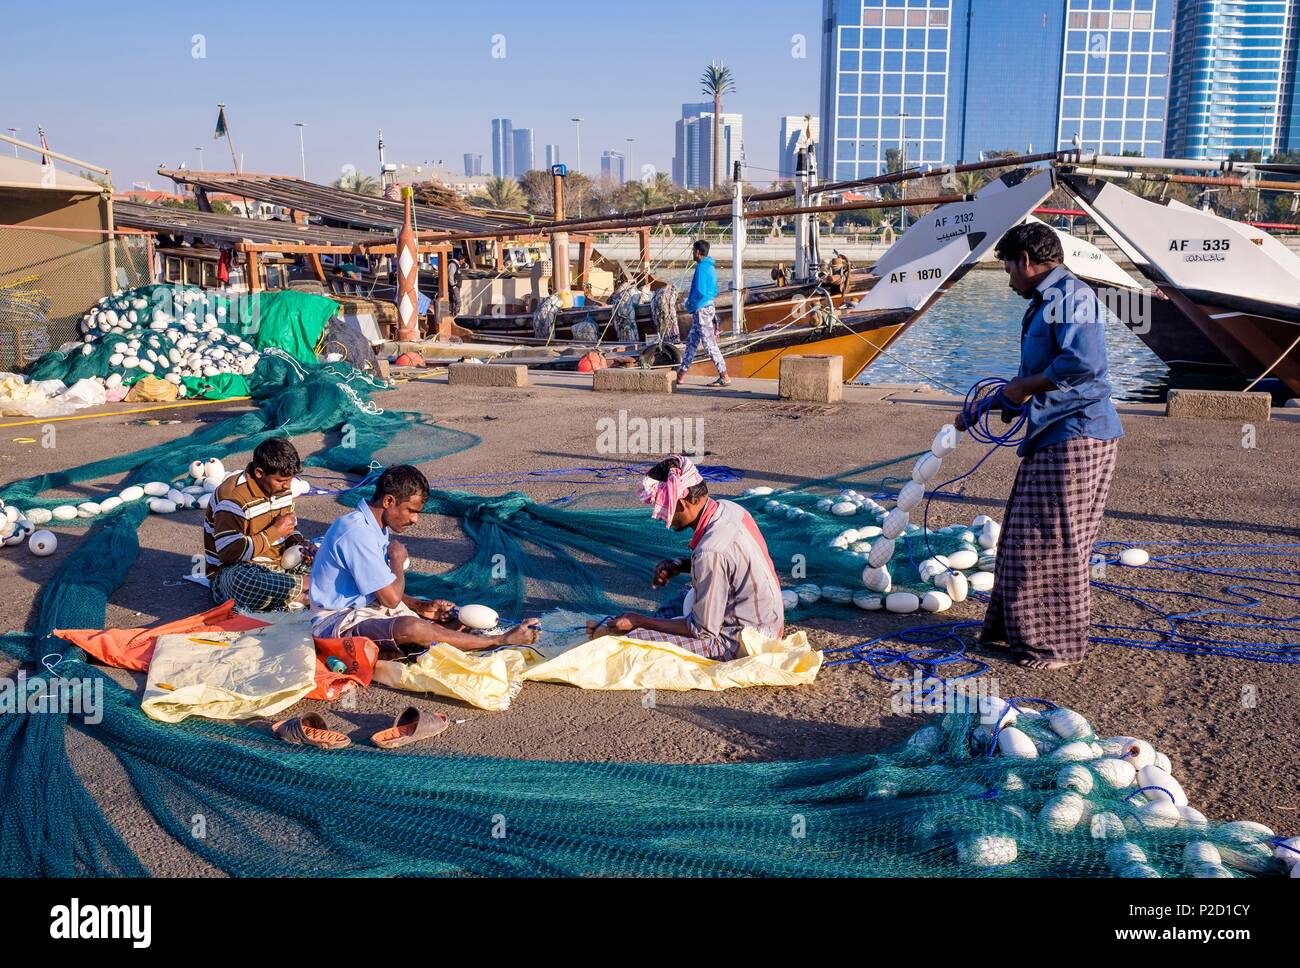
x=116 y=83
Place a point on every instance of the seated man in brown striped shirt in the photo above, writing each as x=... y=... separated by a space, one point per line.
x=734 y=585
x=250 y=522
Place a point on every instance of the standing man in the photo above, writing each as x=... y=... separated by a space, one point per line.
x=358 y=584
x=734 y=585
x=704 y=325
x=453 y=284
x=1040 y=604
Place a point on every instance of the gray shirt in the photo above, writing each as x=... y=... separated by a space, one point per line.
x=733 y=577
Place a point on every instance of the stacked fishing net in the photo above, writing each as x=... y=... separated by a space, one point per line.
x=1006 y=787
x=167 y=332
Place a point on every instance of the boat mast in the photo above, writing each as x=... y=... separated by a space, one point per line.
x=559 y=240
x=801 y=221
x=814 y=226
x=737 y=251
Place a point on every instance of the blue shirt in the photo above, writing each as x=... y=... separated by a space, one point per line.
x=1064 y=339
x=352 y=563
x=704 y=285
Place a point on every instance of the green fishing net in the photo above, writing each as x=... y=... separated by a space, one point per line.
x=166 y=321
x=947 y=802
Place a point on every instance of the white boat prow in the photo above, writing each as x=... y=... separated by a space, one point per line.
x=940 y=242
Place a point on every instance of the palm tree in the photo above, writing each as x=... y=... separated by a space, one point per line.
x=354 y=181
x=503 y=194
x=716 y=81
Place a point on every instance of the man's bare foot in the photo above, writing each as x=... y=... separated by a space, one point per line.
x=1045 y=665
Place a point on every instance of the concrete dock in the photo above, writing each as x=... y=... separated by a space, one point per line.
x=1231 y=727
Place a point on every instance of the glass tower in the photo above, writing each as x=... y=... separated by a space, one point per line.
x=1234 y=78
x=503 y=148
x=943 y=81
x=1116 y=78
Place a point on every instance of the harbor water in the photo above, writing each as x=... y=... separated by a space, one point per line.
x=974 y=332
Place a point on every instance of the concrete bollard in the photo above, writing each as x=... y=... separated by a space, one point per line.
x=812 y=379
x=1219 y=405
x=631 y=379
x=487 y=375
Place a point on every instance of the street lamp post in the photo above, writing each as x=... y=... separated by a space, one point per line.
x=577 y=159
x=13 y=133
x=302 y=149
x=199 y=149
x=631 y=166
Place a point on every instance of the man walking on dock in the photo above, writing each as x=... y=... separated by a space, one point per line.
x=704 y=325
x=1040 y=604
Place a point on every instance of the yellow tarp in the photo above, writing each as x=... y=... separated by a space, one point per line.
x=486 y=680
x=490 y=681
x=613 y=662
x=230 y=675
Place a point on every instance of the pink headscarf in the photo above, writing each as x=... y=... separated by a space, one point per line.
x=664 y=495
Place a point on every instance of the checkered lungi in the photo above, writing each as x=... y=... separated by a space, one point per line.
x=256 y=587
x=1040 y=600
x=719 y=651
x=704 y=330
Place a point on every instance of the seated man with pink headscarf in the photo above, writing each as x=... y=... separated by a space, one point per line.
x=734 y=585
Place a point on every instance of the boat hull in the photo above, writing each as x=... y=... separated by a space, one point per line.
x=1164 y=328
x=1260 y=340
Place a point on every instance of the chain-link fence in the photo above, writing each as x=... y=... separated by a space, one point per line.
x=49 y=279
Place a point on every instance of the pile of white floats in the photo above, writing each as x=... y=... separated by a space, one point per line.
x=145 y=339
x=161 y=497
x=954 y=575
x=1111 y=792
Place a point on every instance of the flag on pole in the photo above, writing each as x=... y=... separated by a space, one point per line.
x=221 y=131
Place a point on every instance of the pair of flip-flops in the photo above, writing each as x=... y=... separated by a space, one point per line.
x=411 y=726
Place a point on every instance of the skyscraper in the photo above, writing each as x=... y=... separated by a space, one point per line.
x=940 y=81
x=1115 y=87
x=613 y=167
x=1234 y=83
x=552 y=156
x=503 y=148
x=523 y=151
x=693 y=164
x=681 y=148
x=473 y=164
x=796 y=132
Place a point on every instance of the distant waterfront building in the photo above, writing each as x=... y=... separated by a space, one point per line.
x=503 y=148
x=696 y=153
x=613 y=167
x=523 y=151
x=473 y=165
x=552 y=156
x=796 y=132
x=1234 y=84
x=943 y=81
x=681 y=147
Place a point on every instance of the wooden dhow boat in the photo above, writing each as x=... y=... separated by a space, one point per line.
x=1238 y=285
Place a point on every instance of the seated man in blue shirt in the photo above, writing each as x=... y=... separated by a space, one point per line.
x=358 y=581
x=1040 y=603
